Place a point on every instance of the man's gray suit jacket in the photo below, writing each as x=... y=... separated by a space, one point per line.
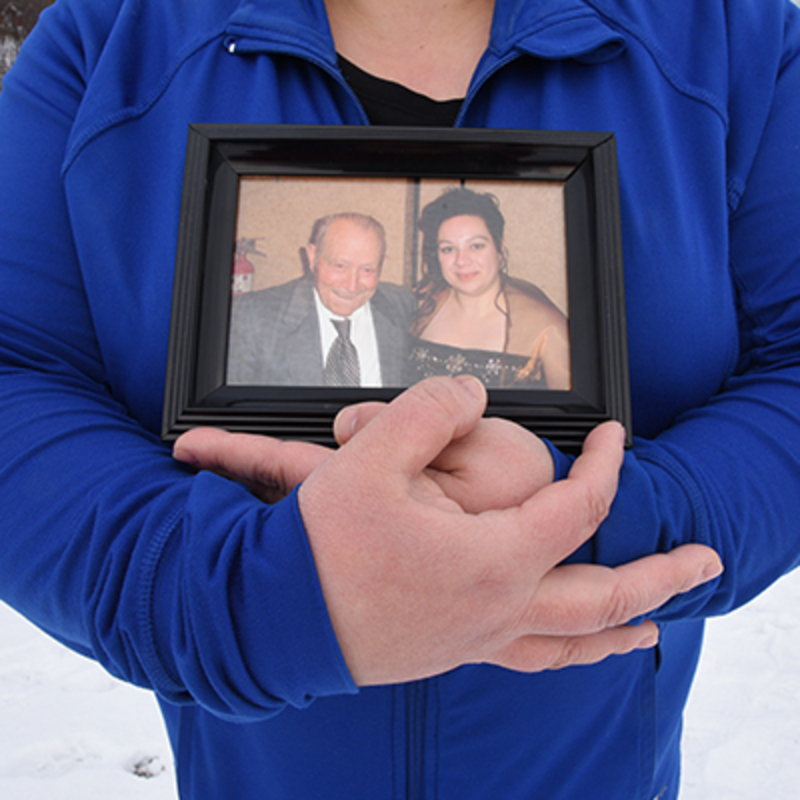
x=275 y=338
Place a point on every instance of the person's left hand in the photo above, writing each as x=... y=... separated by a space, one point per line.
x=271 y=468
x=498 y=464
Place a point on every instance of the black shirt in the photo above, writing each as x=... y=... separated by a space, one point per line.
x=389 y=103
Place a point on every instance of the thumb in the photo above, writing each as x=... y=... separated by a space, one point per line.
x=259 y=461
x=576 y=506
x=351 y=419
x=417 y=425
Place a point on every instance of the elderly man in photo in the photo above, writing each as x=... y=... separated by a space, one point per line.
x=338 y=325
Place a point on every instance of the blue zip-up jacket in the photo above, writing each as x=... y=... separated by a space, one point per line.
x=187 y=584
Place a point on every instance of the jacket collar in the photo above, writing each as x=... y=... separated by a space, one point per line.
x=298 y=27
x=553 y=30
x=550 y=29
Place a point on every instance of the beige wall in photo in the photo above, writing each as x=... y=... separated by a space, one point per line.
x=278 y=212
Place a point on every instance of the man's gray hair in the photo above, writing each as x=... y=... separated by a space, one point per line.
x=320 y=228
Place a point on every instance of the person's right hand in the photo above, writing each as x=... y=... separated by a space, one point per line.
x=414 y=583
x=416 y=586
x=495 y=465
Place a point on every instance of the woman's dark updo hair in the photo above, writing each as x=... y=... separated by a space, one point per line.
x=455 y=202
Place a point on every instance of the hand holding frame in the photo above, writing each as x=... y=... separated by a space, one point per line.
x=415 y=585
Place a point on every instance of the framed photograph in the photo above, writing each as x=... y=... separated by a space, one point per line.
x=321 y=266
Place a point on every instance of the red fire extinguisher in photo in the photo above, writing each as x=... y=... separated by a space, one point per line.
x=243 y=271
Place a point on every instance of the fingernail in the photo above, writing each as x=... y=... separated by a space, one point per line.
x=345 y=424
x=712 y=570
x=186 y=458
x=650 y=639
x=621 y=433
x=179 y=454
x=472 y=385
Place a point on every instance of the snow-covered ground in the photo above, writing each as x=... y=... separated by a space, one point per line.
x=742 y=739
x=68 y=731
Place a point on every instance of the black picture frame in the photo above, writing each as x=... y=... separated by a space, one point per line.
x=583 y=165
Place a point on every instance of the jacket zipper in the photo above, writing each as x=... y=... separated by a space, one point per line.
x=416 y=715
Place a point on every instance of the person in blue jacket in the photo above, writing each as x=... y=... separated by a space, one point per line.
x=391 y=627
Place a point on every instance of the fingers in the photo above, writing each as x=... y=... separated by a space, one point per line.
x=538 y=653
x=497 y=465
x=558 y=519
x=648 y=583
x=601 y=459
x=417 y=425
x=582 y=598
x=200 y=447
x=257 y=460
x=584 y=608
x=350 y=420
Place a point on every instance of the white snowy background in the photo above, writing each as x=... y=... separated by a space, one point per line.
x=68 y=731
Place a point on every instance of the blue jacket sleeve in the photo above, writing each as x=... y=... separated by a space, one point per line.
x=728 y=474
x=184 y=583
